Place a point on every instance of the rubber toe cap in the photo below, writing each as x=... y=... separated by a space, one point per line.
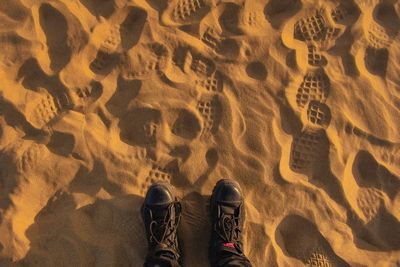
x=159 y=194
x=228 y=192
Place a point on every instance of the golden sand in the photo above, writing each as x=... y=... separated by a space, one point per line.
x=297 y=100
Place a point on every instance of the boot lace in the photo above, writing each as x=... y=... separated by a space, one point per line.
x=163 y=230
x=229 y=230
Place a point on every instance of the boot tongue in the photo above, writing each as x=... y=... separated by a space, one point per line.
x=228 y=210
x=162 y=229
x=161 y=212
x=162 y=216
x=228 y=225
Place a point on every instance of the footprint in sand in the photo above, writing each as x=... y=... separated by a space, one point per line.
x=30 y=157
x=210 y=31
x=211 y=111
x=132 y=27
x=212 y=83
x=186 y=125
x=82 y=98
x=308 y=151
x=375 y=184
x=319 y=32
x=345 y=13
x=112 y=41
x=372 y=191
x=103 y=63
x=310 y=28
x=315 y=58
x=375 y=175
x=104 y=8
x=315 y=29
x=212 y=38
x=251 y=19
x=315 y=86
x=185 y=12
x=201 y=66
x=121 y=37
x=55 y=28
x=307 y=245
x=41 y=111
x=106 y=56
x=140 y=126
x=62 y=143
x=376 y=60
x=382 y=27
x=229 y=18
x=146 y=60
x=126 y=34
x=159 y=174
x=212 y=35
x=256 y=70
x=207 y=77
x=277 y=12
x=318 y=115
x=339 y=14
x=369 y=201
x=14 y=50
x=166 y=135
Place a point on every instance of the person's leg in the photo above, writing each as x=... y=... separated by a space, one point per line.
x=227 y=216
x=161 y=213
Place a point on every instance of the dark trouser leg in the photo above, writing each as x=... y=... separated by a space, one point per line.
x=227 y=258
x=152 y=261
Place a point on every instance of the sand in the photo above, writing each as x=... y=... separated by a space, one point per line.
x=298 y=101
